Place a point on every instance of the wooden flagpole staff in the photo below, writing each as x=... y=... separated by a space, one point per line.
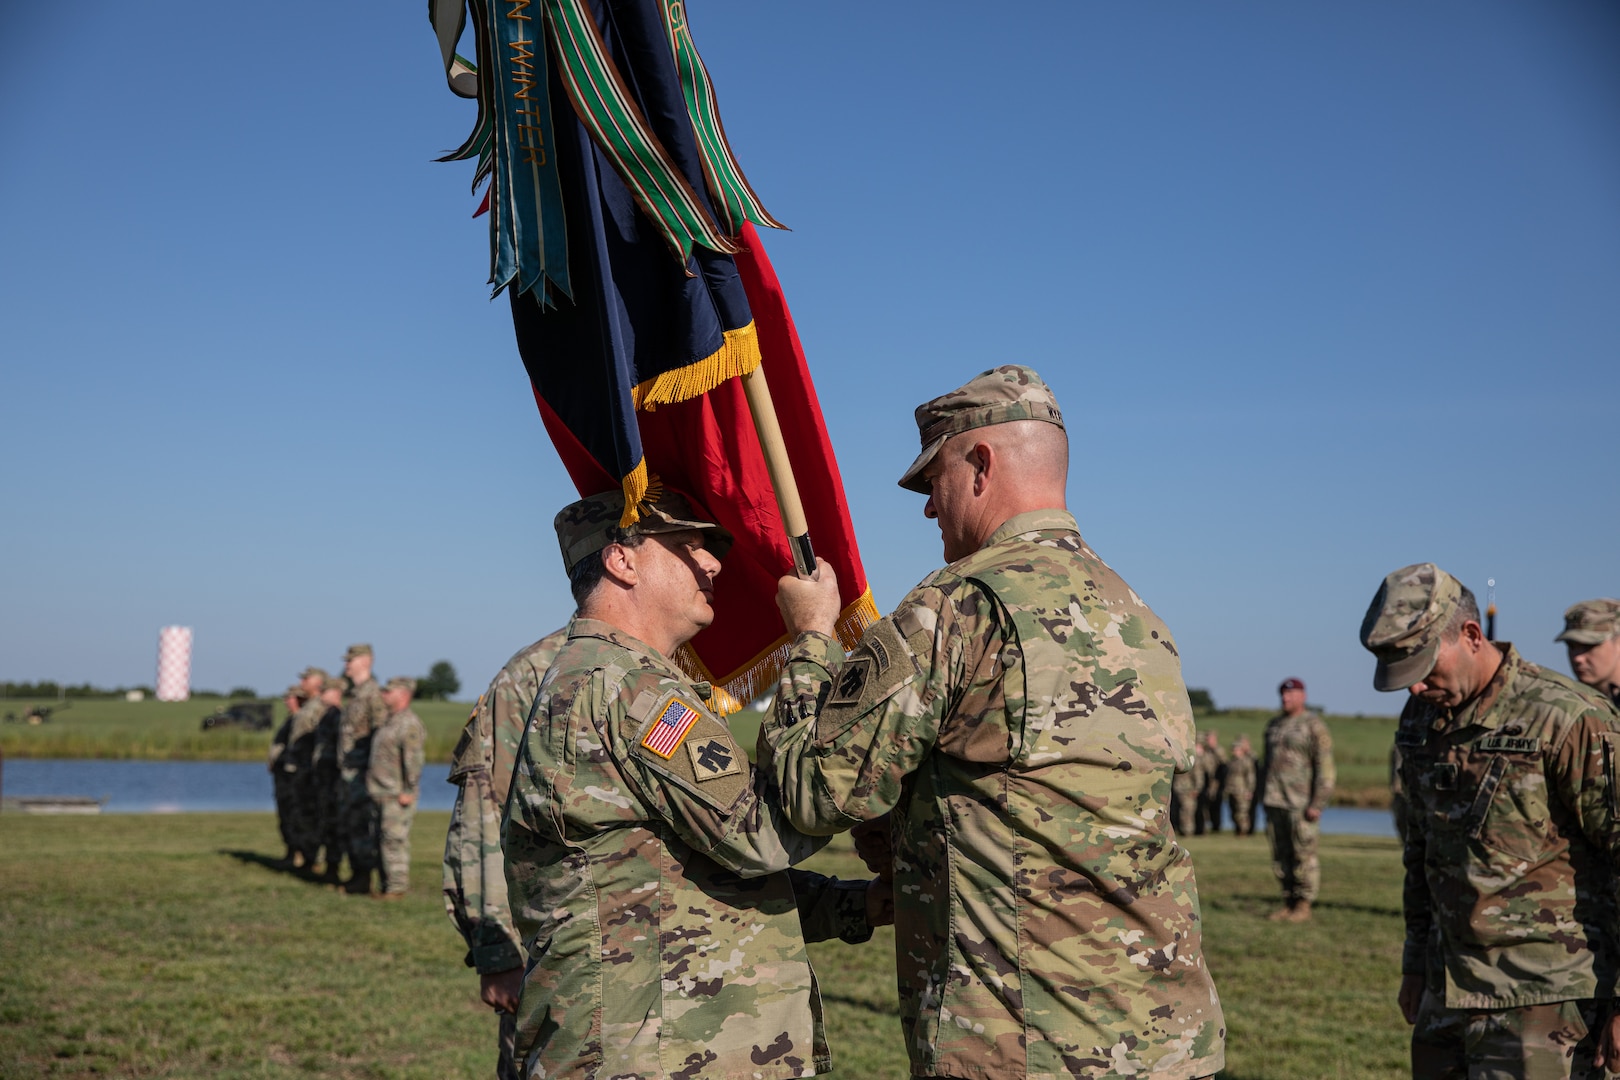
x=758 y=392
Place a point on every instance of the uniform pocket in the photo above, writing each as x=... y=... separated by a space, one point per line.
x=1515 y=821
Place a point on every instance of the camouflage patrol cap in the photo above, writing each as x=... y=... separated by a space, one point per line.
x=1403 y=624
x=400 y=682
x=335 y=682
x=1591 y=622
x=315 y=671
x=293 y=691
x=591 y=524
x=1002 y=394
x=357 y=650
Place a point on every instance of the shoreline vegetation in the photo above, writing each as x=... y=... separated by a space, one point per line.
x=172 y=731
x=146 y=945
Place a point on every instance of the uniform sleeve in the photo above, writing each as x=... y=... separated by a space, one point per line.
x=278 y=744
x=414 y=752
x=1582 y=771
x=1323 y=771
x=847 y=731
x=475 y=894
x=1415 y=900
x=831 y=909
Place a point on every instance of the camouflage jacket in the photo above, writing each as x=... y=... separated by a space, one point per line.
x=323 y=753
x=474 y=871
x=1298 y=770
x=1212 y=760
x=1511 y=841
x=300 y=750
x=278 y=745
x=1022 y=713
x=395 y=767
x=1240 y=776
x=363 y=713
x=645 y=870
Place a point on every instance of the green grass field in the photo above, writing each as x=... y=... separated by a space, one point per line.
x=168 y=946
x=172 y=731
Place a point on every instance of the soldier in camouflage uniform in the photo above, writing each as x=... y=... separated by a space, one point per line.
x=326 y=790
x=646 y=872
x=1592 y=635
x=1240 y=778
x=297 y=762
x=1510 y=848
x=1184 y=789
x=1212 y=764
x=283 y=778
x=363 y=713
x=474 y=869
x=394 y=782
x=1019 y=716
x=1296 y=785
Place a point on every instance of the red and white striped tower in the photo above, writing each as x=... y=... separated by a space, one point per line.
x=174 y=663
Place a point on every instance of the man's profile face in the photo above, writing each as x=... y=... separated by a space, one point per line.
x=1596 y=665
x=1454 y=679
x=950 y=477
x=312 y=684
x=357 y=668
x=1293 y=701
x=396 y=698
x=332 y=697
x=675 y=575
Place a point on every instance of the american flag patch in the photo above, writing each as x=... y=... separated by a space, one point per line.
x=664 y=735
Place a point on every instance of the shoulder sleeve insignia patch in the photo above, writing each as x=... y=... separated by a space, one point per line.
x=669 y=729
x=713 y=757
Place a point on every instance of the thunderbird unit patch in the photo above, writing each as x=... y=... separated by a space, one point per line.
x=713 y=758
x=664 y=735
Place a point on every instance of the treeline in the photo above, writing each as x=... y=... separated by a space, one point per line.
x=48 y=689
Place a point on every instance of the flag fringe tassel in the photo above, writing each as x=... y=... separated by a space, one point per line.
x=761 y=673
x=635 y=489
x=738 y=355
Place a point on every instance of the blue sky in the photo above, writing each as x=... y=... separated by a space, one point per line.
x=1323 y=289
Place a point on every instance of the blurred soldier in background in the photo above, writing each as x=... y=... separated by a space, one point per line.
x=283 y=776
x=1296 y=785
x=1510 y=845
x=363 y=713
x=394 y=782
x=474 y=869
x=1240 y=778
x=1184 y=788
x=297 y=761
x=1212 y=765
x=326 y=790
x=1592 y=635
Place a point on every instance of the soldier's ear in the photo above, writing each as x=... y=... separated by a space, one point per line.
x=620 y=563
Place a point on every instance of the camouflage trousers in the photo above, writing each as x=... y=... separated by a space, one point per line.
x=1535 y=1042
x=1241 y=804
x=394 y=835
x=506 y=1065
x=359 y=824
x=1183 y=804
x=1293 y=853
x=326 y=797
x=286 y=786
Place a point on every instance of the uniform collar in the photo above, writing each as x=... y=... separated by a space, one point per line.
x=580 y=627
x=1033 y=521
x=1481 y=711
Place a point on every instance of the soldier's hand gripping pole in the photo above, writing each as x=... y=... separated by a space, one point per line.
x=781 y=470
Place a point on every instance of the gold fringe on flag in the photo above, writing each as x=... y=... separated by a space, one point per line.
x=635 y=490
x=761 y=674
x=737 y=355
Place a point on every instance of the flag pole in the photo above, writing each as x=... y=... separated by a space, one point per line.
x=758 y=392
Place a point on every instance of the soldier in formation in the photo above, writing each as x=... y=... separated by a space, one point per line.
x=1018 y=717
x=324 y=794
x=363 y=713
x=284 y=776
x=1241 y=772
x=1296 y=785
x=292 y=763
x=1592 y=636
x=1510 y=844
x=394 y=782
x=641 y=849
x=1211 y=771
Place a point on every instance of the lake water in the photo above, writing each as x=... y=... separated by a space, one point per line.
x=174 y=787
x=177 y=787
